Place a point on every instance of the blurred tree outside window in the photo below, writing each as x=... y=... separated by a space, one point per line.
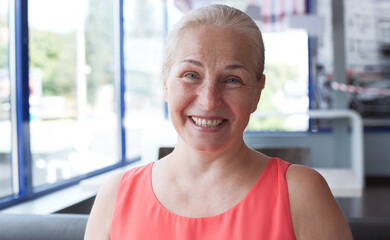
x=5 y=105
x=286 y=85
x=144 y=37
x=73 y=112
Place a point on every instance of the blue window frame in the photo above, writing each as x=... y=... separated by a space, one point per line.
x=24 y=188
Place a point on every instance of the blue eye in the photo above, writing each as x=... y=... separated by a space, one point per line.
x=190 y=75
x=233 y=80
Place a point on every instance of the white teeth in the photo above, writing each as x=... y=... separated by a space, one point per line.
x=206 y=123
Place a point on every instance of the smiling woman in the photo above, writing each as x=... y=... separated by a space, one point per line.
x=212 y=186
x=199 y=85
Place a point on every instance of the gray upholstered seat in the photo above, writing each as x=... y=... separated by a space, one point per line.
x=72 y=227
x=42 y=227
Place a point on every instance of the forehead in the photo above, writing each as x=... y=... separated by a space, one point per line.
x=211 y=43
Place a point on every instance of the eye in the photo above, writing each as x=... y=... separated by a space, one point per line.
x=233 y=80
x=191 y=75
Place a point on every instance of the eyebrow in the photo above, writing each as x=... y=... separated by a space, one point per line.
x=236 y=66
x=192 y=61
x=228 y=67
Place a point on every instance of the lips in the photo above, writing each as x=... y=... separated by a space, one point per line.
x=201 y=122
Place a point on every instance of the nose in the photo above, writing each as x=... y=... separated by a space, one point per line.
x=209 y=96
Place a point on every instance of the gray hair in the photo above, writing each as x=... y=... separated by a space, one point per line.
x=220 y=16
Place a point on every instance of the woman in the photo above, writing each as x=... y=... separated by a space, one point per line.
x=212 y=186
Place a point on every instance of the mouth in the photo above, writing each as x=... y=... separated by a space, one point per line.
x=201 y=122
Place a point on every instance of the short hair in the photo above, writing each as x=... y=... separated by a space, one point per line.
x=220 y=16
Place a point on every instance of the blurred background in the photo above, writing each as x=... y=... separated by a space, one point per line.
x=81 y=88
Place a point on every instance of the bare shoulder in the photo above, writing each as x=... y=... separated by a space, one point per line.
x=298 y=177
x=99 y=222
x=314 y=211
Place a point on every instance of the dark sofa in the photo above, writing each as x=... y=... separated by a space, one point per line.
x=370 y=228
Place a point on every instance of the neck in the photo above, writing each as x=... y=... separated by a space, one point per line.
x=191 y=163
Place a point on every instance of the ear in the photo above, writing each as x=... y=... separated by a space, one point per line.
x=165 y=89
x=259 y=89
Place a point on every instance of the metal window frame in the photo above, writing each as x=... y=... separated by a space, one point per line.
x=19 y=77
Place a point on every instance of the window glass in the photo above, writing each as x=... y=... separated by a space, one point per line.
x=143 y=53
x=286 y=86
x=5 y=106
x=73 y=112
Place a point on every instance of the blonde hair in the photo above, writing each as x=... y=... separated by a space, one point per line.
x=220 y=16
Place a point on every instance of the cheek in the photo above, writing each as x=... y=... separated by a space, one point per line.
x=242 y=103
x=178 y=96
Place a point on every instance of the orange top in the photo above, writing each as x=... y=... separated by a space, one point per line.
x=264 y=213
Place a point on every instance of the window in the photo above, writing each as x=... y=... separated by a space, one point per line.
x=73 y=112
x=286 y=70
x=95 y=83
x=5 y=104
x=143 y=52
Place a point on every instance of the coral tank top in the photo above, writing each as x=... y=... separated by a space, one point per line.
x=264 y=213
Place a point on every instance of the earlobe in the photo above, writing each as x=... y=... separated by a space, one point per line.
x=262 y=82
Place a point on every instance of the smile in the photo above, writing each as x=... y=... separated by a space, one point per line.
x=206 y=123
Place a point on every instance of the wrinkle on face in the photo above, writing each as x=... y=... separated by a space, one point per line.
x=219 y=48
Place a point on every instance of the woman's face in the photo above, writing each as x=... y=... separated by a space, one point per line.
x=211 y=87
